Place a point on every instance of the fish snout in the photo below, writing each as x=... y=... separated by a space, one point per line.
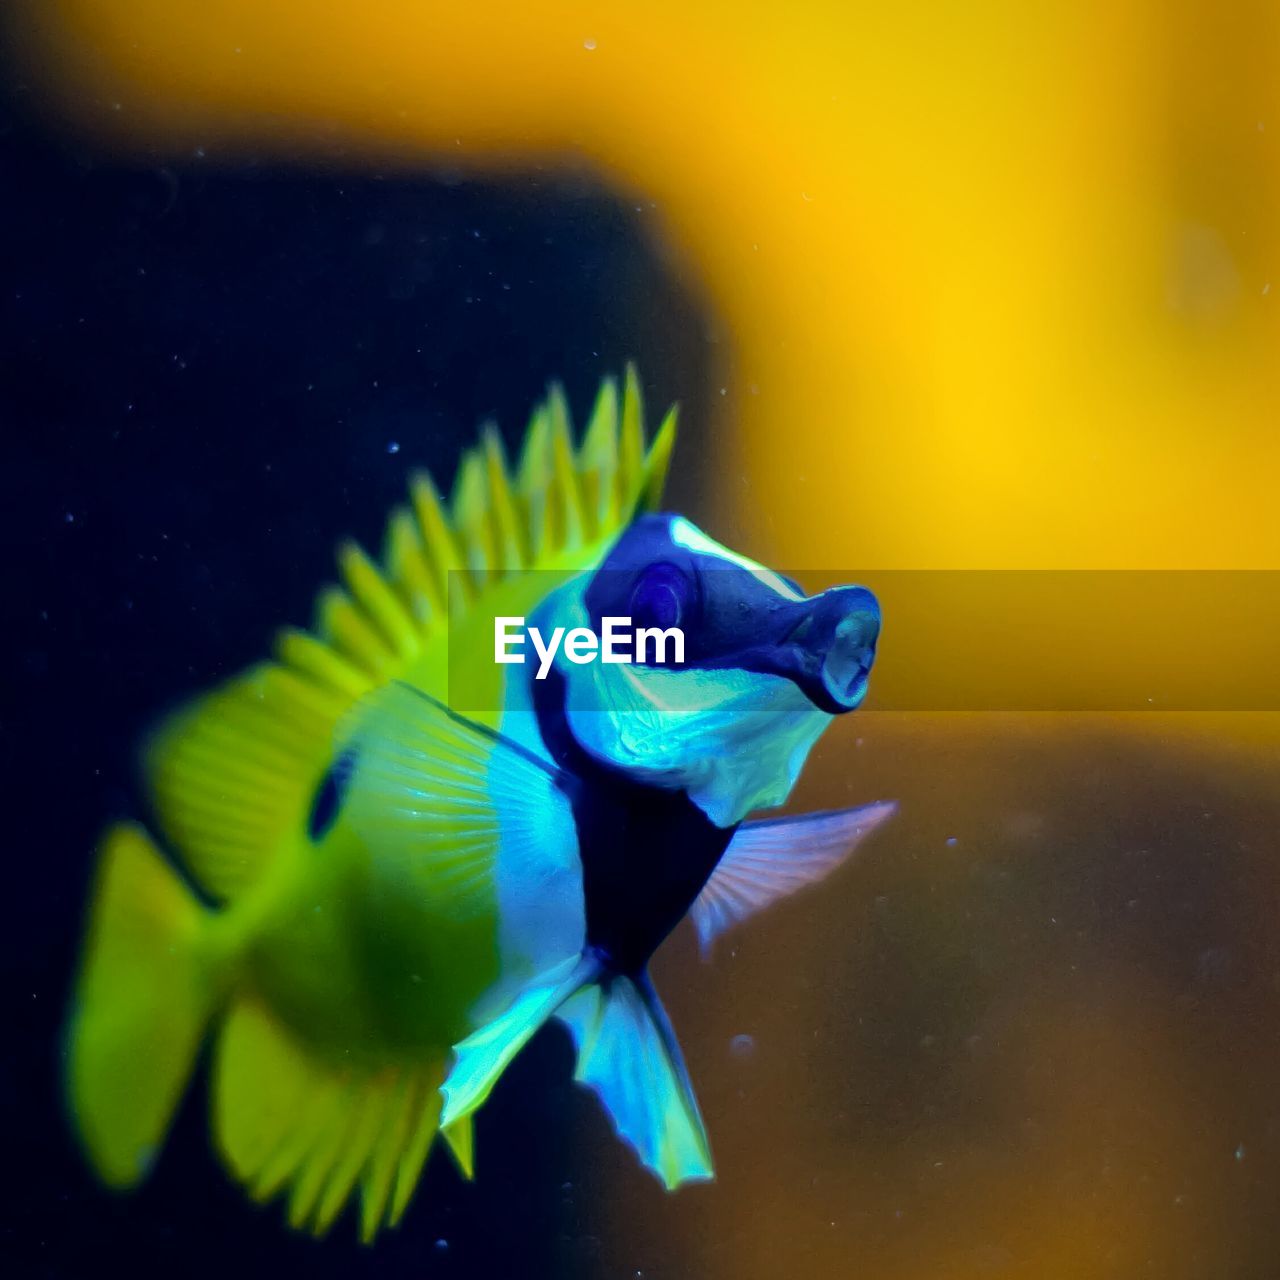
x=837 y=643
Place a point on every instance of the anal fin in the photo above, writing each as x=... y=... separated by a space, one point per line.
x=289 y=1123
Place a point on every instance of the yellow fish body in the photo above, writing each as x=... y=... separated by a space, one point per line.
x=338 y=989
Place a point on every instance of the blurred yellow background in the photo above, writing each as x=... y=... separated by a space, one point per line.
x=996 y=279
x=1000 y=286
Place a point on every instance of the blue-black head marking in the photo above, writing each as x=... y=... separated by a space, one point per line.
x=734 y=613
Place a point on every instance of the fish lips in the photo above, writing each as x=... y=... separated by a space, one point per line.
x=825 y=644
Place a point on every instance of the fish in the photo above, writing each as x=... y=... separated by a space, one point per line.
x=370 y=881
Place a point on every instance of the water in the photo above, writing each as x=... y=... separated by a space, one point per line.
x=1032 y=1030
x=206 y=368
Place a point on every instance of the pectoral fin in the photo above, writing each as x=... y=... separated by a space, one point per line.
x=768 y=860
x=442 y=794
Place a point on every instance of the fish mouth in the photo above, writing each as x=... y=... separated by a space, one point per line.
x=847 y=665
x=825 y=645
x=830 y=651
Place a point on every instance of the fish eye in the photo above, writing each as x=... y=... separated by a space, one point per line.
x=661 y=596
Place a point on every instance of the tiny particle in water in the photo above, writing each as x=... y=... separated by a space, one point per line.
x=1240 y=1152
x=589 y=44
x=442 y=1246
x=952 y=842
x=393 y=446
x=742 y=1046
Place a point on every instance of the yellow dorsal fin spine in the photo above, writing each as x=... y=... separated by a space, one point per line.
x=349 y=629
x=234 y=777
x=533 y=482
x=321 y=662
x=378 y=602
x=472 y=519
x=598 y=459
x=657 y=464
x=510 y=533
x=630 y=441
x=570 y=524
x=535 y=467
x=409 y=569
x=444 y=555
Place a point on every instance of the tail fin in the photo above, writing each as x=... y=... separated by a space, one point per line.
x=144 y=995
x=628 y=1054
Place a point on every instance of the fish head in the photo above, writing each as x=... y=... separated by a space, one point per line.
x=729 y=715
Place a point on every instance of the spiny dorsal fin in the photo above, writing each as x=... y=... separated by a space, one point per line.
x=235 y=776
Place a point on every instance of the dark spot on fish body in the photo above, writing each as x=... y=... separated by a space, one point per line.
x=646 y=851
x=327 y=803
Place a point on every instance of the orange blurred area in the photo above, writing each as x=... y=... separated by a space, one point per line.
x=1000 y=284
x=1032 y=1034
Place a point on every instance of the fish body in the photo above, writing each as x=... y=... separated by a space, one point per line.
x=402 y=892
x=340 y=942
